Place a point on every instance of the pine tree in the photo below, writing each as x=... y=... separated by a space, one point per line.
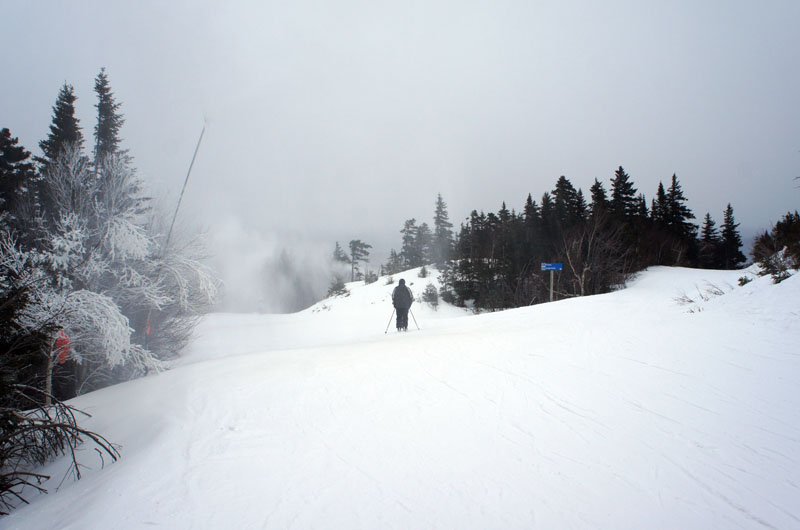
x=409 y=250
x=64 y=130
x=659 y=211
x=531 y=211
x=732 y=255
x=549 y=221
x=423 y=242
x=470 y=260
x=337 y=287
x=566 y=202
x=581 y=208
x=710 y=244
x=339 y=255
x=16 y=178
x=503 y=240
x=109 y=120
x=359 y=251
x=778 y=251
x=599 y=198
x=532 y=226
x=623 y=195
x=641 y=207
x=678 y=214
x=395 y=263
x=442 y=246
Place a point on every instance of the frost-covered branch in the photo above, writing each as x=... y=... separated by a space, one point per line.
x=193 y=284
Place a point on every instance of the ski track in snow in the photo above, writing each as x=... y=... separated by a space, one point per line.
x=616 y=411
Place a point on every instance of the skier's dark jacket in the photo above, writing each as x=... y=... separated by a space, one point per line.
x=401 y=296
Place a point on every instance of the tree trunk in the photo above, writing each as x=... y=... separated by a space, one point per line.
x=48 y=380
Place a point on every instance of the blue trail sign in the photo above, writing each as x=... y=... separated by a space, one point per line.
x=552 y=267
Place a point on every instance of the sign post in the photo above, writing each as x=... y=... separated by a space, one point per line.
x=552 y=267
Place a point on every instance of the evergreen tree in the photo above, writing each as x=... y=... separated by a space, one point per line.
x=732 y=255
x=337 y=287
x=504 y=216
x=109 y=120
x=395 y=263
x=549 y=220
x=531 y=212
x=359 y=251
x=442 y=246
x=623 y=195
x=339 y=255
x=409 y=251
x=778 y=250
x=566 y=203
x=677 y=213
x=471 y=264
x=423 y=242
x=581 y=208
x=468 y=238
x=641 y=207
x=64 y=130
x=660 y=207
x=504 y=242
x=710 y=244
x=531 y=238
x=16 y=177
x=599 y=198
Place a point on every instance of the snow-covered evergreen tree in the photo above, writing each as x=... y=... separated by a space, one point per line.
x=102 y=275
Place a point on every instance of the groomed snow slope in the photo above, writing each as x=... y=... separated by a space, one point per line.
x=626 y=410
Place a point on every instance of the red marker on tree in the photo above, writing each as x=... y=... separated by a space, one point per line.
x=62 y=347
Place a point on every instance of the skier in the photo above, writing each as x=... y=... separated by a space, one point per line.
x=402 y=300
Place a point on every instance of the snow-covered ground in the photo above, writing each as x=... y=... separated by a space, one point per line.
x=635 y=409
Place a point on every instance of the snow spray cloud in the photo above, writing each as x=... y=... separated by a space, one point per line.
x=263 y=272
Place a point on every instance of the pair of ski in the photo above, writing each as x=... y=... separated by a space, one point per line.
x=406 y=329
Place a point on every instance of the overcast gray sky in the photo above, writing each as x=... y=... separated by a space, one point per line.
x=337 y=120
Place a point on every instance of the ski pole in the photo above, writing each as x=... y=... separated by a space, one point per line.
x=415 y=319
x=390 y=321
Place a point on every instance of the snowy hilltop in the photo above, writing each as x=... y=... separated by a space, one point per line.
x=672 y=403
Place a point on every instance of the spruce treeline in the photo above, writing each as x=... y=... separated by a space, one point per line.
x=90 y=293
x=494 y=261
